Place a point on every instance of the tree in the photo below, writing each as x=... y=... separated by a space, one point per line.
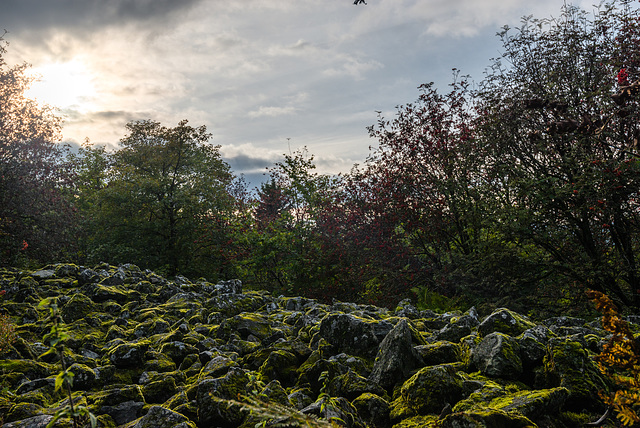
x=161 y=187
x=560 y=125
x=280 y=240
x=36 y=221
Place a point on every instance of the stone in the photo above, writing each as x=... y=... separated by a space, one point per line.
x=396 y=357
x=373 y=410
x=505 y=321
x=160 y=417
x=428 y=391
x=498 y=355
x=534 y=405
x=124 y=412
x=214 y=412
x=354 y=335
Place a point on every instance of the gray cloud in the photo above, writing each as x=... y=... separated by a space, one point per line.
x=257 y=72
x=22 y=16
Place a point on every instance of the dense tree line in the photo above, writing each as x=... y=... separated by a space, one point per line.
x=521 y=189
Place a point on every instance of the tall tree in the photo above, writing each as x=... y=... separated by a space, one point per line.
x=162 y=185
x=560 y=122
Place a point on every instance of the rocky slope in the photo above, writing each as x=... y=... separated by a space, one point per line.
x=148 y=352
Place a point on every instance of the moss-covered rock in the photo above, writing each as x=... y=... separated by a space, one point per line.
x=486 y=418
x=373 y=409
x=396 y=357
x=569 y=365
x=498 y=355
x=280 y=365
x=23 y=410
x=78 y=307
x=354 y=335
x=505 y=321
x=440 y=352
x=177 y=351
x=160 y=417
x=111 y=397
x=160 y=390
x=351 y=385
x=213 y=410
x=128 y=355
x=84 y=378
x=535 y=405
x=428 y=391
x=337 y=410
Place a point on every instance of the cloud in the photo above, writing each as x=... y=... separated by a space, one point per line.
x=271 y=111
x=36 y=16
x=257 y=72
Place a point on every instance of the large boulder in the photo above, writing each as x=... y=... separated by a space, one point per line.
x=430 y=390
x=354 y=335
x=569 y=365
x=396 y=357
x=505 y=321
x=498 y=355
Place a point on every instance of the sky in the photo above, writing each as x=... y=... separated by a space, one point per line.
x=266 y=77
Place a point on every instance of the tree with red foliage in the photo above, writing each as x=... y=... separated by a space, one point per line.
x=35 y=216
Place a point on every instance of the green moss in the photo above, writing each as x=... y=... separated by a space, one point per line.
x=428 y=421
x=30 y=369
x=569 y=365
x=489 y=418
x=532 y=404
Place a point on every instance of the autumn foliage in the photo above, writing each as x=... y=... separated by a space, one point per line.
x=619 y=361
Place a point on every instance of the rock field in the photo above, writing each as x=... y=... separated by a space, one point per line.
x=149 y=352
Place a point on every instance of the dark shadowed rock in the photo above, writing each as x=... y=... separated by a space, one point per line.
x=505 y=321
x=160 y=417
x=498 y=355
x=354 y=335
x=396 y=357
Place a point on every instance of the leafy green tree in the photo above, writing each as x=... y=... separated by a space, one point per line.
x=560 y=126
x=36 y=221
x=158 y=191
x=280 y=239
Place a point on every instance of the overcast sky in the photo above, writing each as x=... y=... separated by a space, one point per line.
x=262 y=75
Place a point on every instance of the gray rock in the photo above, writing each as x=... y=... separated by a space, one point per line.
x=39 y=421
x=498 y=355
x=396 y=357
x=160 y=417
x=353 y=335
x=505 y=321
x=128 y=355
x=44 y=274
x=233 y=286
x=124 y=412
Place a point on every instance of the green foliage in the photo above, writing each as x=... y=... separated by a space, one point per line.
x=427 y=299
x=148 y=202
x=619 y=361
x=55 y=338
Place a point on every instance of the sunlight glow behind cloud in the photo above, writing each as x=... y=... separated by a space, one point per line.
x=67 y=85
